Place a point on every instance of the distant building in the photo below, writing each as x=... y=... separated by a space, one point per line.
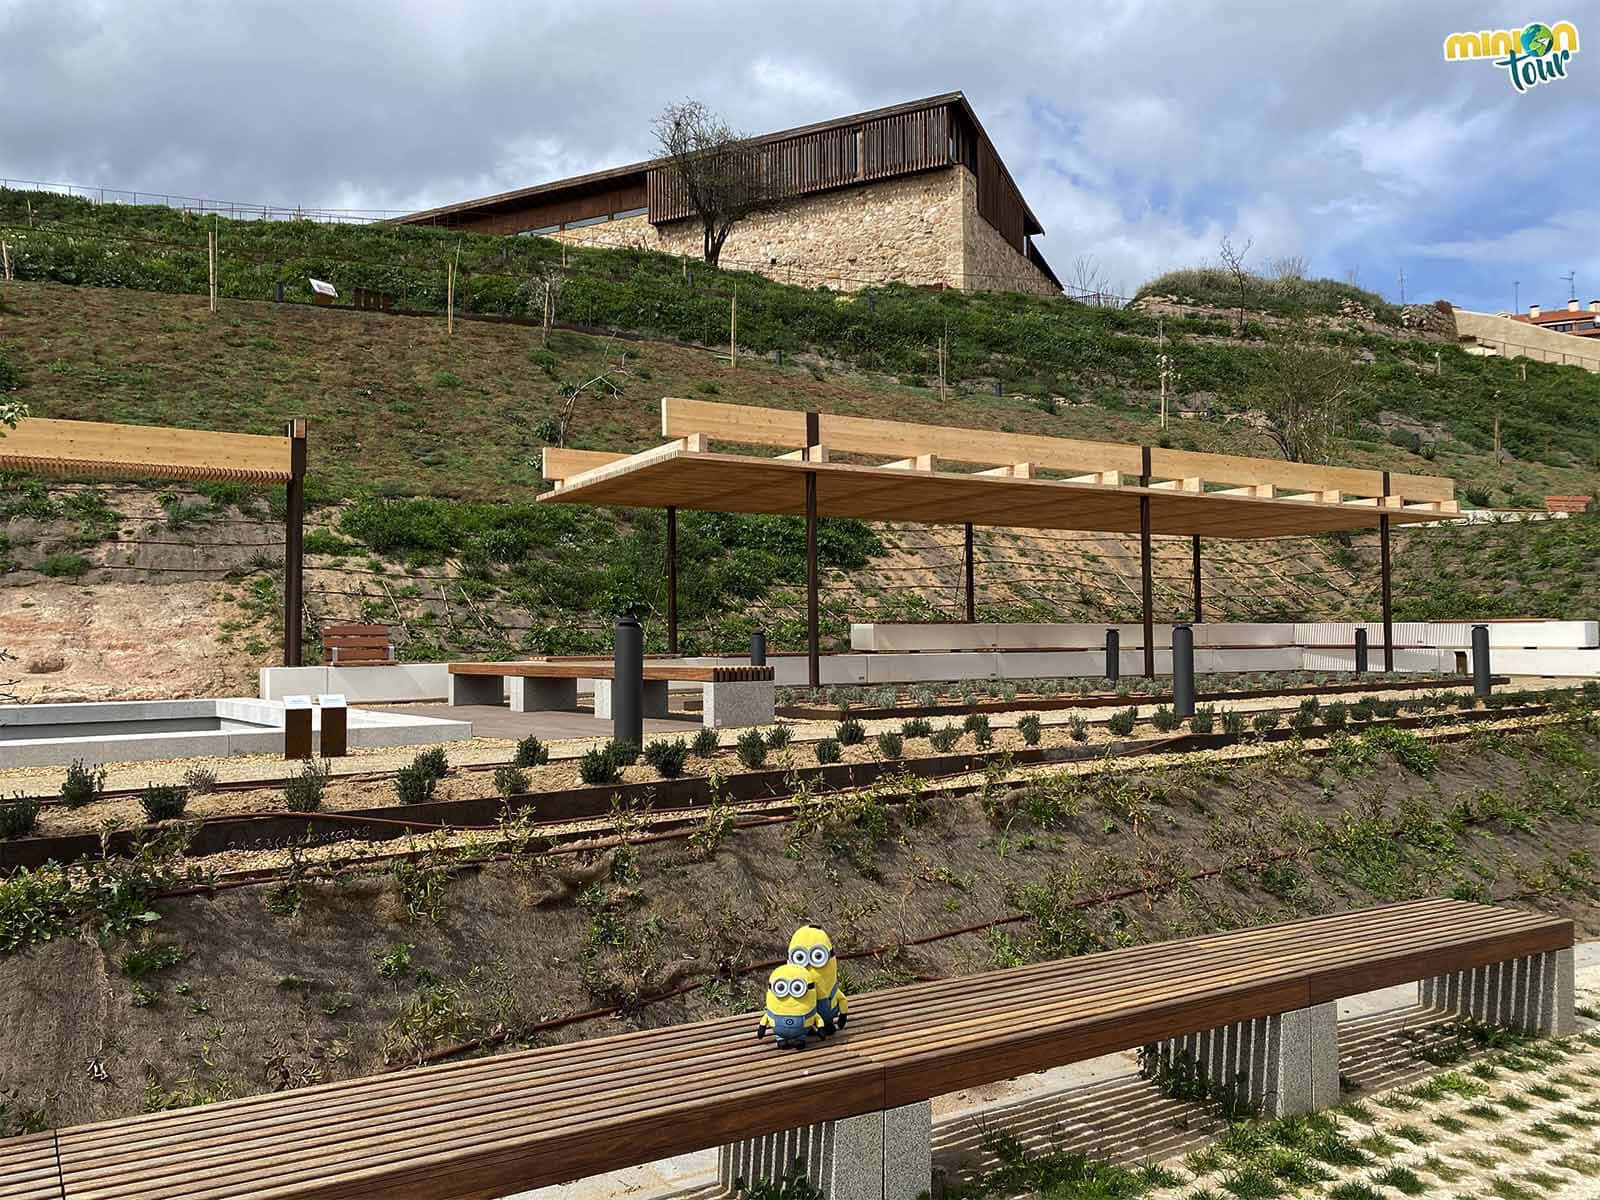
x=912 y=194
x=1572 y=319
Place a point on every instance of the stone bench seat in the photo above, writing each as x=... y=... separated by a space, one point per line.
x=732 y=696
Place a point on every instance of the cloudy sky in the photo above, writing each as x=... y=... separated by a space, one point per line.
x=1140 y=132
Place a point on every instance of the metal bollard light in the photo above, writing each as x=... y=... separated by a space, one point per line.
x=1113 y=655
x=758 y=649
x=1183 y=670
x=627 y=682
x=1480 y=662
x=1361 y=651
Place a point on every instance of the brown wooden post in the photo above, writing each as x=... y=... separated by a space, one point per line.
x=672 y=580
x=972 y=597
x=1198 y=603
x=294 y=530
x=1385 y=566
x=1147 y=582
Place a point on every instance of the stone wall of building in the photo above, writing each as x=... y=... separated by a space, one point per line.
x=916 y=230
x=989 y=263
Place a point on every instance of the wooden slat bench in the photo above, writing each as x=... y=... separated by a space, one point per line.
x=490 y=1127
x=357 y=646
x=744 y=695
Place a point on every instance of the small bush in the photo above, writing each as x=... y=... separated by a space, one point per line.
x=668 y=758
x=1232 y=723
x=433 y=762
x=1164 y=719
x=414 y=784
x=1031 y=729
x=530 y=752
x=1334 y=714
x=1204 y=719
x=200 y=781
x=944 y=739
x=82 y=785
x=779 y=736
x=975 y=722
x=916 y=727
x=751 y=749
x=705 y=744
x=1122 y=721
x=1362 y=711
x=164 y=801
x=850 y=732
x=1264 y=722
x=18 y=816
x=890 y=744
x=598 y=766
x=624 y=753
x=302 y=791
x=829 y=751
x=1078 y=729
x=62 y=565
x=510 y=780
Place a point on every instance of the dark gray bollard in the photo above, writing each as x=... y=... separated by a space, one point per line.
x=758 y=649
x=1113 y=655
x=1361 y=651
x=627 y=682
x=1183 y=670
x=1480 y=661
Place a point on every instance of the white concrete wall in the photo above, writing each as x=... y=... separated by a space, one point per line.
x=407 y=682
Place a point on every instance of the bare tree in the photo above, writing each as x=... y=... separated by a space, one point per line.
x=1087 y=280
x=1233 y=262
x=1287 y=267
x=1306 y=392
x=545 y=282
x=719 y=173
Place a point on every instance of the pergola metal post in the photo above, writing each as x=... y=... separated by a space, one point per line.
x=1385 y=567
x=1198 y=604
x=672 y=580
x=627 y=681
x=1183 y=670
x=972 y=603
x=294 y=532
x=1482 y=677
x=813 y=630
x=1147 y=589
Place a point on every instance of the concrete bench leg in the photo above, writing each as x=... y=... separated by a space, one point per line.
x=477 y=689
x=543 y=695
x=1531 y=995
x=655 y=698
x=738 y=705
x=876 y=1156
x=1283 y=1065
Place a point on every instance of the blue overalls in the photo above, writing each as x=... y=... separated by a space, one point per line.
x=788 y=1027
x=825 y=1009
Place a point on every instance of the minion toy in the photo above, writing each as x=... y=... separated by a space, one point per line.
x=812 y=949
x=791 y=1007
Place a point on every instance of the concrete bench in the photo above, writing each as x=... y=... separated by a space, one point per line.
x=1253 y=1003
x=732 y=697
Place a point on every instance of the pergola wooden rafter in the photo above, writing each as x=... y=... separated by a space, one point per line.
x=1110 y=488
x=99 y=449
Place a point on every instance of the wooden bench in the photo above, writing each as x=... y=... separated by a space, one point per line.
x=733 y=696
x=491 y=1127
x=357 y=646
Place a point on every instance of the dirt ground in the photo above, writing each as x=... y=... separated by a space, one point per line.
x=279 y=986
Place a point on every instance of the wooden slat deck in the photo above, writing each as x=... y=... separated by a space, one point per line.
x=28 y=1168
x=604 y=670
x=488 y=1127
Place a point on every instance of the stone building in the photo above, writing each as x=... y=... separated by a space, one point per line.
x=910 y=194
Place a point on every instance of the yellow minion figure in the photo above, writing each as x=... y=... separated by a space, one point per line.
x=812 y=949
x=791 y=1011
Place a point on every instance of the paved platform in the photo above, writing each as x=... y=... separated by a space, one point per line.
x=498 y=721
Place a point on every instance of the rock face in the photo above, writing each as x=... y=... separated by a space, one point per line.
x=1437 y=319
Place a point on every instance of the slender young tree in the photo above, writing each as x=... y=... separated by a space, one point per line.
x=719 y=171
x=1307 y=393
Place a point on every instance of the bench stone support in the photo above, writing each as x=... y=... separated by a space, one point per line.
x=542 y=695
x=738 y=705
x=876 y=1156
x=476 y=689
x=1284 y=1065
x=1531 y=995
x=655 y=698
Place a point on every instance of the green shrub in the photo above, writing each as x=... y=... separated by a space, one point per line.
x=164 y=801
x=1078 y=729
x=1164 y=719
x=201 y=781
x=598 y=766
x=779 y=736
x=668 y=758
x=624 y=753
x=1333 y=715
x=1232 y=722
x=829 y=751
x=302 y=791
x=850 y=732
x=1123 y=720
x=974 y=722
x=1407 y=749
x=1362 y=711
x=916 y=727
x=706 y=743
x=1264 y=722
x=530 y=752
x=510 y=780
x=82 y=785
x=414 y=784
x=62 y=565
x=751 y=749
x=890 y=745
x=18 y=816
x=1031 y=729
x=432 y=762
x=1204 y=719
x=147 y=960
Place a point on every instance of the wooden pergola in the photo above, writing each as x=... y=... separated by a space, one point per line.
x=98 y=449
x=1102 y=487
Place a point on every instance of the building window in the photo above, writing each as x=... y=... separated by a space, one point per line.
x=543 y=231
x=631 y=212
x=586 y=221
